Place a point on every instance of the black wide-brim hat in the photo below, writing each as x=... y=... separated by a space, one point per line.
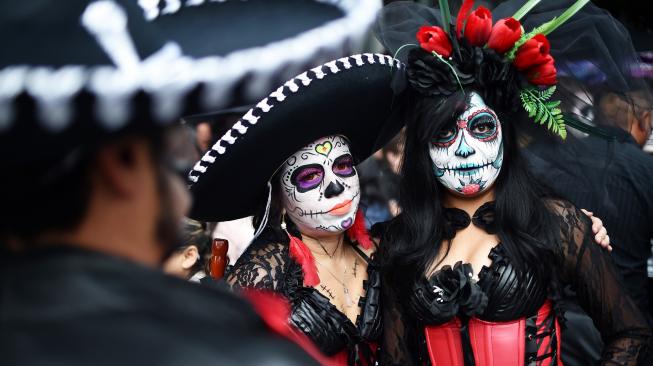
x=351 y=96
x=73 y=73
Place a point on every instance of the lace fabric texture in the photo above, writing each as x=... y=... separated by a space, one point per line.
x=580 y=262
x=267 y=265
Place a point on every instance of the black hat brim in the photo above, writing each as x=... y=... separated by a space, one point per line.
x=351 y=97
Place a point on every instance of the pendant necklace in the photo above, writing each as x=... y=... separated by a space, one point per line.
x=349 y=302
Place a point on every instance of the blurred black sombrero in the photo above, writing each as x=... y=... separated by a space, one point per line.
x=350 y=96
x=74 y=72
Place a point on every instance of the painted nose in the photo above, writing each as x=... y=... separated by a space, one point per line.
x=463 y=149
x=333 y=189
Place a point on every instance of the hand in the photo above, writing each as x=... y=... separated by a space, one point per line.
x=601 y=234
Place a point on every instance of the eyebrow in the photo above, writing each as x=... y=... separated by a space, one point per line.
x=480 y=111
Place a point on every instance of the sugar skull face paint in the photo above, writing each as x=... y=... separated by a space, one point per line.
x=320 y=186
x=467 y=157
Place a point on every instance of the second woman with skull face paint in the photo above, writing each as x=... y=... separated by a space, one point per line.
x=312 y=246
x=475 y=265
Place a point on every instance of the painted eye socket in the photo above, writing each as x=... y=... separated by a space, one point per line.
x=343 y=166
x=445 y=138
x=483 y=127
x=307 y=177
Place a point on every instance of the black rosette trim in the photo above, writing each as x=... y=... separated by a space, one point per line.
x=448 y=293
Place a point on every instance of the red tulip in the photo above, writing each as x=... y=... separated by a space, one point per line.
x=504 y=35
x=478 y=26
x=532 y=53
x=543 y=74
x=462 y=15
x=434 y=39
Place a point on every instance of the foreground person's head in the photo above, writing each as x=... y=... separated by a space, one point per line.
x=119 y=197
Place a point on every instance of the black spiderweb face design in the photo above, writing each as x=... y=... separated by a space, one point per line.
x=320 y=185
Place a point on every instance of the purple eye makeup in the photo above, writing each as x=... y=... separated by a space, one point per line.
x=343 y=166
x=307 y=177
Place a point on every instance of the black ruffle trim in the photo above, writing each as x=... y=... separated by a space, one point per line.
x=450 y=292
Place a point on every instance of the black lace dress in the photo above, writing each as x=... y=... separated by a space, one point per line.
x=500 y=296
x=267 y=264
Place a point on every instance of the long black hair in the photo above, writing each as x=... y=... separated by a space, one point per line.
x=413 y=239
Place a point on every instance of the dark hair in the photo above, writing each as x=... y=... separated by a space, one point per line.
x=42 y=197
x=415 y=237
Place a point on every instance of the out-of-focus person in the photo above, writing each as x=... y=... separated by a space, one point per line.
x=190 y=260
x=88 y=94
x=203 y=136
x=379 y=180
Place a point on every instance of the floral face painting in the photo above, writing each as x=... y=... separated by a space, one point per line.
x=467 y=158
x=321 y=187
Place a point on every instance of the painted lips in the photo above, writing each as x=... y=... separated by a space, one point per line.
x=341 y=208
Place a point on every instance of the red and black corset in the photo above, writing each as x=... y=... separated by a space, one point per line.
x=504 y=318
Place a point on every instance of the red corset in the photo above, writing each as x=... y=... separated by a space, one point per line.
x=526 y=341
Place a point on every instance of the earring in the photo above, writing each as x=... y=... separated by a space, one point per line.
x=283 y=221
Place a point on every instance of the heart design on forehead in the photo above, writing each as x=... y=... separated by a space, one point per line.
x=347 y=223
x=324 y=148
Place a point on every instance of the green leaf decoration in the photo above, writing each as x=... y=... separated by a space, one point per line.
x=544 y=111
x=547 y=27
x=446 y=15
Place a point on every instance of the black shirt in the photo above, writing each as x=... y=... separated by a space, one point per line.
x=66 y=306
x=613 y=179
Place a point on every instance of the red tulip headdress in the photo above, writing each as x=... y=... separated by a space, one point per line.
x=498 y=56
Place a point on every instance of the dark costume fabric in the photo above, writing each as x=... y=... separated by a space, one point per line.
x=124 y=314
x=626 y=211
x=501 y=295
x=267 y=265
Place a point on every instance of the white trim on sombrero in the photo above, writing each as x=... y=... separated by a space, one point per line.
x=169 y=75
x=292 y=86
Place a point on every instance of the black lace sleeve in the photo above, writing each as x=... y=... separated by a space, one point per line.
x=261 y=266
x=590 y=270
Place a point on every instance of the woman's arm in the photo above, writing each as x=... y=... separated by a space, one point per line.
x=600 y=292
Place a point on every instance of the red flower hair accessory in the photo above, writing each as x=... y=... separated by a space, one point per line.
x=528 y=53
x=505 y=33
x=434 y=39
x=478 y=27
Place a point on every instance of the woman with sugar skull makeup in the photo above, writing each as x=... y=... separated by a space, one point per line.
x=293 y=157
x=475 y=265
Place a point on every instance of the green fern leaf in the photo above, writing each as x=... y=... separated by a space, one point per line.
x=552 y=104
x=562 y=128
x=542 y=110
x=541 y=113
x=547 y=93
